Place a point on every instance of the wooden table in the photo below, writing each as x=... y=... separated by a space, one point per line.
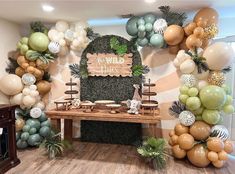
x=98 y=115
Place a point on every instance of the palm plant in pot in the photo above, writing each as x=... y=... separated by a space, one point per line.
x=54 y=146
x=154 y=150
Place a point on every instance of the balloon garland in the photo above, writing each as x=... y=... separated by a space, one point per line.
x=30 y=82
x=204 y=98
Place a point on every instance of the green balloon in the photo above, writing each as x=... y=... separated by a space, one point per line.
x=149 y=34
x=193 y=103
x=141 y=28
x=183 y=98
x=157 y=40
x=21 y=144
x=24 y=40
x=228 y=109
x=131 y=26
x=26 y=128
x=43 y=117
x=45 y=131
x=142 y=42
x=226 y=88
x=211 y=116
x=198 y=118
x=229 y=100
x=198 y=111
x=38 y=41
x=212 y=97
x=32 y=131
x=193 y=92
x=46 y=123
x=141 y=21
x=24 y=136
x=149 y=18
x=34 y=140
x=148 y=27
x=33 y=122
x=18 y=134
x=184 y=90
x=221 y=120
x=141 y=34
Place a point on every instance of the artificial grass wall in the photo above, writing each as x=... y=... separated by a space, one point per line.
x=109 y=88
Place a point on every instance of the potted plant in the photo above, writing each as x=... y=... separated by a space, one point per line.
x=54 y=146
x=154 y=150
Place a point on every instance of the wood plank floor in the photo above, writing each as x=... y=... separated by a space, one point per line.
x=93 y=158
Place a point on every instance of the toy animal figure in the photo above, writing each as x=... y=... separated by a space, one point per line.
x=134 y=106
x=136 y=95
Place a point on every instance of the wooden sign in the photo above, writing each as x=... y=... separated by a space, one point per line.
x=108 y=64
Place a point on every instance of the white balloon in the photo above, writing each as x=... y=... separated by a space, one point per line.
x=34 y=93
x=40 y=105
x=62 y=42
x=80 y=25
x=33 y=87
x=26 y=91
x=160 y=26
x=68 y=35
x=54 y=47
x=29 y=101
x=63 y=51
x=35 y=112
x=61 y=26
x=201 y=84
x=187 y=66
x=52 y=33
x=176 y=63
x=17 y=99
x=75 y=43
x=56 y=38
x=182 y=56
x=61 y=35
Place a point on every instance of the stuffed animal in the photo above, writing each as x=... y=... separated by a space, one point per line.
x=134 y=106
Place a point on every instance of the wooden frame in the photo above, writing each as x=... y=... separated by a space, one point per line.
x=98 y=115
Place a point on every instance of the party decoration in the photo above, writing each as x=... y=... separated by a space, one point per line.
x=35 y=112
x=11 y=84
x=211 y=116
x=200 y=130
x=198 y=156
x=212 y=97
x=213 y=156
x=215 y=144
x=54 y=47
x=178 y=152
x=181 y=129
x=174 y=34
x=43 y=87
x=228 y=146
x=193 y=103
x=188 y=80
x=193 y=42
x=38 y=41
x=131 y=26
x=28 y=79
x=186 y=118
x=220 y=131
x=157 y=40
x=186 y=141
x=228 y=109
x=219 y=55
x=160 y=26
x=19 y=124
x=210 y=32
x=209 y=15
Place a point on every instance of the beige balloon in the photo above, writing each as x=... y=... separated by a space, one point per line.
x=219 y=56
x=187 y=66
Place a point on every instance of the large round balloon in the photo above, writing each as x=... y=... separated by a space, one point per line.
x=208 y=15
x=157 y=40
x=220 y=131
x=186 y=141
x=11 y=84
x=174 y=34
x=200 y=130
x=131 y=26
x=45 y=131
x=21 y=144
x=198 y=156
x=149 y=18
x=212 y=97
x=38 y=41
x=43 y=87
x=218 y=55
x=33 y=123
x=211 y=116
x=215 y=144
x=34 y=140
x=193 y=42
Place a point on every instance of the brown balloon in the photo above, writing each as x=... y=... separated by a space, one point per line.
x=202 y=23
x=170 y=142
x=174 y=139
x=186 y=141
x=198 y=156
x=178 y=152
x=173 y=49
x=171 y=133
x=181 y=129
x=207 y=14
x=193 y=42
x=215 y=144
x=228 y=146
x=183 y=45
x=212 y=156
x=188 y=29
x=223 y=155
x=218 y=163
x=198 y=32
x=43 y=87
x=205 y=43
x=174 y=34
x=200 y=130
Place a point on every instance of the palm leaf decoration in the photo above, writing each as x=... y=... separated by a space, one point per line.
x=176 y=108
x=226 y=70
x=91 y=34
x=11 y=66
x=154 y=150
x=25 y=113
x=38 y=26
x=47 y=77
x=78 y=71
x=199 y=61
x=172 y=17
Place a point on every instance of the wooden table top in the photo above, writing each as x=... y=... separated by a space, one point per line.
x=102 y=115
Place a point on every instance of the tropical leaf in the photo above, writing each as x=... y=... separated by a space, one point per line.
x=176 y=108
x=11 y=66
x=91 y=34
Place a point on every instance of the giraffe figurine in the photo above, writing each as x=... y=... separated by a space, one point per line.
x=136 y=95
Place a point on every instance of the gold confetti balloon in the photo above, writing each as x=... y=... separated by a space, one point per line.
x=210 y=31
x=216 y=78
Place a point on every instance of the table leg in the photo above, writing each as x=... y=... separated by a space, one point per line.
x=153 y=129
x=68 y=129
x=57 y=124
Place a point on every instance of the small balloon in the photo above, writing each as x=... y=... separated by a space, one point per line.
x=157 y=40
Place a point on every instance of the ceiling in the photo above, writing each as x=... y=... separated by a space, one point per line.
x=26 y=11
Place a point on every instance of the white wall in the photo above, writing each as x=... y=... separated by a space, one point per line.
x=9 y=37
